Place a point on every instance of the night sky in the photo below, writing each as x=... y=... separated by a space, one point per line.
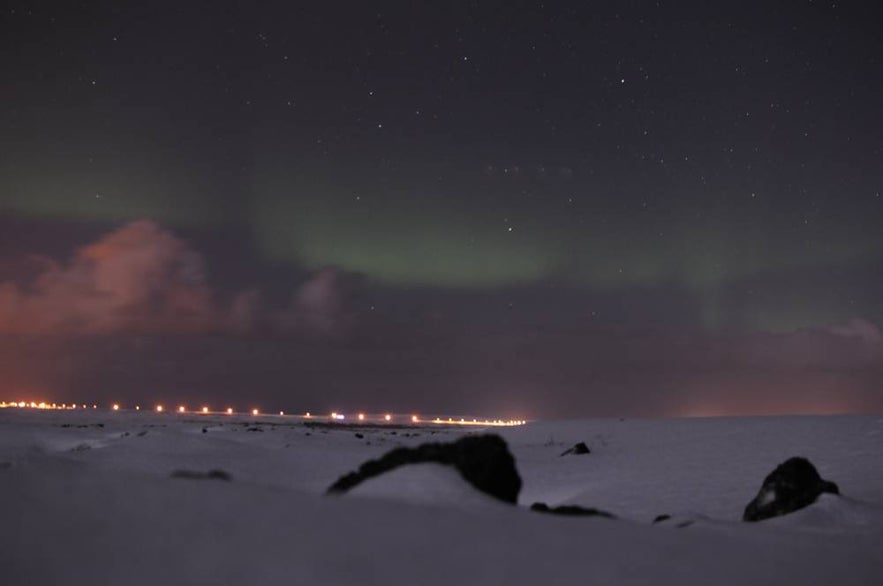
x=515 y=209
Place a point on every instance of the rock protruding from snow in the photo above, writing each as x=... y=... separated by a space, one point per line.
x=570 y=510
x=577 y=449
x=483 y=460
x=793 y=485
x=198 y=475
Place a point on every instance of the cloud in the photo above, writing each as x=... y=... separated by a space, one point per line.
x=321 y=304
x=138 y=278
x=142 y=279
x=864 y=330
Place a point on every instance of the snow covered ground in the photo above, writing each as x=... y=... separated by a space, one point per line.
x=89 y=498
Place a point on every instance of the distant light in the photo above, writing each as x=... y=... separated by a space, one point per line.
x=94 y=406
x=181 y=409
x=116 y=407
x=205 y=409
x=254 y=411
x=334 y=415
x=159 y=408
x=414 y=419
x=361 y=417
x=229 y=411
x=308 y=415
x=137 y=407
x=281 y=413
x=387 y=417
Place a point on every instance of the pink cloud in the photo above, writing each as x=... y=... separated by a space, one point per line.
x=138 y=278
x=141 y=278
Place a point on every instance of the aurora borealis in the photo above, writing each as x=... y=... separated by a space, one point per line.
x=386 y=185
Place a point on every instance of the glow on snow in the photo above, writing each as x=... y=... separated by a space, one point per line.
x=334 y=416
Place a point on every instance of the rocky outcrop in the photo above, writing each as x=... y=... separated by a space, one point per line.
x=570 y=510
x=483 y=460
x=199 y=475
x=577 y=450
x=793 y=485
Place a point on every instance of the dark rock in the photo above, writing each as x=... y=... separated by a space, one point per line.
x=359 y=435
x=483 y=460
x=661 y=518
x=577 y=449
x=197 y=475
x=255 y=429
x=793 y=485
x=142 y=433
x=570 y=510
x=204 y=430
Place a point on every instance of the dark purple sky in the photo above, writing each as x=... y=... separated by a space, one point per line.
x=559 y=209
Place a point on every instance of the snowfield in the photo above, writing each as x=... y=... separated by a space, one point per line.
x=90 y=498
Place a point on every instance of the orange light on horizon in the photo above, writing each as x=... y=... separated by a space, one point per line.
x=334 y=415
